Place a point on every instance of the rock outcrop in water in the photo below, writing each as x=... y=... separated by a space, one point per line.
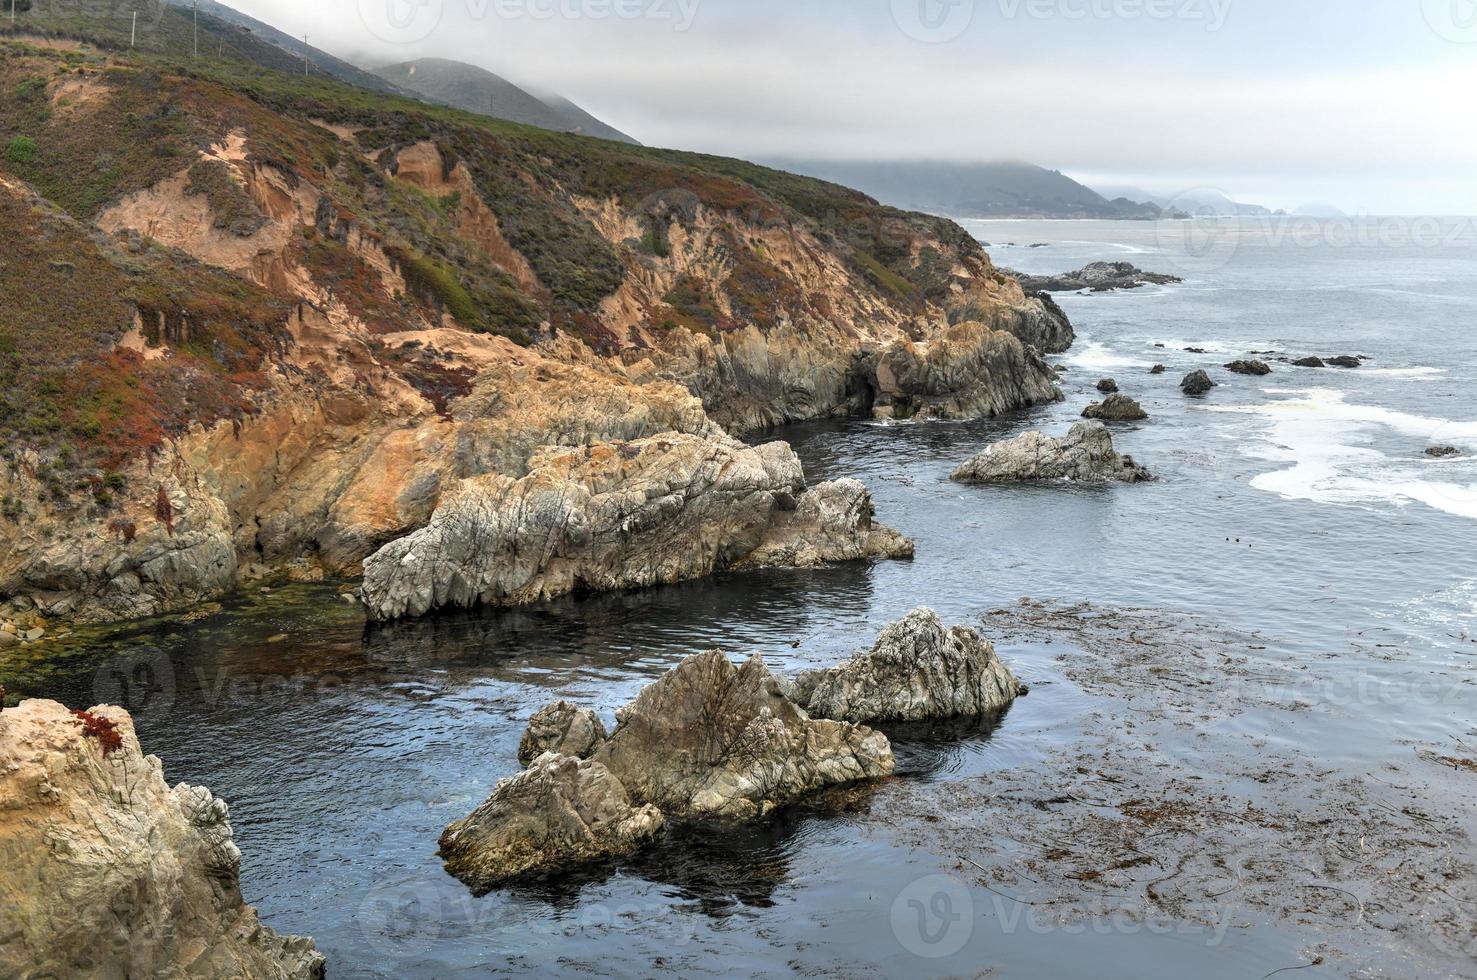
x=1443 y=452
x=1108 y=386
x=1255 y=369
x=1197 y=383
x=106 y=872
x=617 y=516
x=832 y=522
x=1344 y=361
x=711 y=739
x=558 y=813
x=1096 y=276
x=1116 y=408
x=561 y=729
x=917 y=671
x=1309 y=362
x=1084 y=455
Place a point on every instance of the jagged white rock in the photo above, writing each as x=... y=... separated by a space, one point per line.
x=559 y=812
x=917 y=671
x=563 y=729
x=614 y=516
x=1084 y=455
x=711 y=739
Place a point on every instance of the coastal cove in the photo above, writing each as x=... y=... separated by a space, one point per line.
x=1291 y=597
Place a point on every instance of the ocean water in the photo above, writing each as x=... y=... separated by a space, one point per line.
x=1300 y=507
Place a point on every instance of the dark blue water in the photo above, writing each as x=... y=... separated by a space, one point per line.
x=1299 y=506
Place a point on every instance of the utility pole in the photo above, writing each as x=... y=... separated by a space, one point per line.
x=197 y=28
x=133 y=32
x=305 y=56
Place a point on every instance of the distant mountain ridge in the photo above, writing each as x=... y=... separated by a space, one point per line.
x=1201 y=200
x=974 y=190
x=474 y=89
x=231 y=25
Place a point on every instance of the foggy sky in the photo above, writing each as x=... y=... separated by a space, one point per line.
x=1366 y=104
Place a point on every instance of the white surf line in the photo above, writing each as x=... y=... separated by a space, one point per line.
x=1312 y=435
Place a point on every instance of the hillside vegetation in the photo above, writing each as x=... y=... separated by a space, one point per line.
x=260 y=318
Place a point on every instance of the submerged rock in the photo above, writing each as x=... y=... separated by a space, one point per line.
x=106 y=872
x=1344 y=361
x=917 y=671
x=1084 y=455
x=1108 y=386
x=558 y=813
x=711 y=739
x=1158 y=369
x=1309 y=362
x=1197 y=383
x=1257 y=369
x=1443 y=452
x=618 y=516
x=562 y=729
x=1116 y=408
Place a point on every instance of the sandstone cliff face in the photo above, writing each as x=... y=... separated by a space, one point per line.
x=106 y=872
x=460 y=303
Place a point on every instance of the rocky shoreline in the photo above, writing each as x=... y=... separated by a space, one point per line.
x=105 y=871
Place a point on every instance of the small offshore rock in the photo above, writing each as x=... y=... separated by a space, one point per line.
x=1116 y=408
x=1309 y=362
x=1344 y=361
x=715 y=740
x=1197 y=383
x=562 y=729
x=1158 y=369
x=1097 y=276
x=1108 y=386
x=1258 y=369
x=1443 y=452
x=916 y=671
x=558 y=813
x=1083 y=455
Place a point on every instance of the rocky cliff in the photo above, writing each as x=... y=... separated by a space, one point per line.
x=107 y=872
x=261 y=325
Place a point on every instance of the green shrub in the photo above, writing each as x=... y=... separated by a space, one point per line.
x=21 y=149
